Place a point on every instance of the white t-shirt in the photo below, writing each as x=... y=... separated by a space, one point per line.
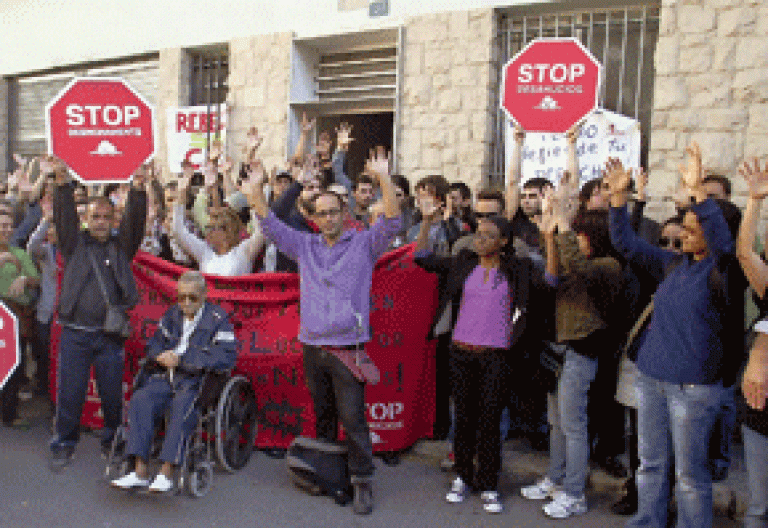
x=237 y=261
x=762 y=326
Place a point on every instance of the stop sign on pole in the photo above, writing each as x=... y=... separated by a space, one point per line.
x=101 y=128
x=10 y=351
x=550 y=85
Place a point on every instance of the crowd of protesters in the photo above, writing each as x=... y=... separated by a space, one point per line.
x=554 y=297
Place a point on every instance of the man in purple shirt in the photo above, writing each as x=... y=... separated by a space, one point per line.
x=336 y=269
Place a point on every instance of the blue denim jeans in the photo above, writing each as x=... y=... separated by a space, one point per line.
x=675 y=420
x=578 y=373
x=755 y=456
x=78 y=351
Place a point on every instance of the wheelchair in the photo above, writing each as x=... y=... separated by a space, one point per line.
x=225 y=432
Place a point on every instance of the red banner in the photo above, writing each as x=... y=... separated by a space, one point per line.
x=264 y=308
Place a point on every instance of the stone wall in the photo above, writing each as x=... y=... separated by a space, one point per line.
x=712 y=87
x=172 y=91
x=447 y=98
x=4 y=128
x=259 y=71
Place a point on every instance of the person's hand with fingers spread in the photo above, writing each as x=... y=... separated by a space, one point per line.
x=756 y=178
x=216 y=150
x=618 y=179
x=252 y=143
x=255 y=182
x=692 y=173
x=306 y=124
x=344 y=136
x=377 y=164
x=549 y=220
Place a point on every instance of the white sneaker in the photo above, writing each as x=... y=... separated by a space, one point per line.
x=131 y=480
x=491 y=502
x=458 y=491
x=161 y=484
x=563 y=506
x=543 y=489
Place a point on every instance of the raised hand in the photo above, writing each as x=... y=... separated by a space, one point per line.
x=572 y=135
x=549 y=218
x=616 y=176
x=344 y=136
x=216 y=150
x=641 y=182
x=225 y=165
x=210 y=175
x=692 y=172
x=21 y=161
x=257 y=176
x=140 y=177
x=323 y=147
x=306 y=124
x=47 y=165
x=756 y=178
x=519 y=134
x=377 y=164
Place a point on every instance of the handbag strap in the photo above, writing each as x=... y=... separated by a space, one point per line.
x=639 y=324
x=99 y=278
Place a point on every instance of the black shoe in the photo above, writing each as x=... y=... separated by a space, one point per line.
x=362 y=503
x=60 y=457
x=626 y=505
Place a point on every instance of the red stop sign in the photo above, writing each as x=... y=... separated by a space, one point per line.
x=550 y=85
x=101 y=128
x=10 y=351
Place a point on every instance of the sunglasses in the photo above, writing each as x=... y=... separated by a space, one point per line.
x=189 y=298
x=529 y=196
x=670 y=242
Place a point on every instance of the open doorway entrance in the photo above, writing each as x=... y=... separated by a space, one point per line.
x=368 y=131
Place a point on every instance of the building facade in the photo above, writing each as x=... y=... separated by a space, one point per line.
x=421 y=79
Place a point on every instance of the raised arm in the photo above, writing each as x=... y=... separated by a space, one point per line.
x=343 y=140
x=191 y=244
x=754 y=268
x=287 y=240
x=514 y=175
x=134 y=221
x=306 y=128
x=64 y=213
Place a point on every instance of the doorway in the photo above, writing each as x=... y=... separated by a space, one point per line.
x=368 y=131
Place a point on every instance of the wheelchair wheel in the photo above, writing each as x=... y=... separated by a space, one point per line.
x=235 y=424
x=199 y=479
x=118 y=464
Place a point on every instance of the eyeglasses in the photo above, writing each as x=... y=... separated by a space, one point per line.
x=529 y=196
x=328 y=213
x=481 y=216
x=215 y=227
x=189 y=298
x=673 y=242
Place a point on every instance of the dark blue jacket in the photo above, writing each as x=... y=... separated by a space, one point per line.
x=695 y=333
x=212 y=345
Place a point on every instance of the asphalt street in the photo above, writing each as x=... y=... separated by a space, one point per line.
x=409 y=494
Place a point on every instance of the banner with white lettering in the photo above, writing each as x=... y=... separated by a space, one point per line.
x=187 y=130
x=604 y=134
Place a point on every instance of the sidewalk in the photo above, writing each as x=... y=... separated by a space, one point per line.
x=523 y=465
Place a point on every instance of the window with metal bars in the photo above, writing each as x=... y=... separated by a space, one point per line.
x=209 y=73
x=623 y=39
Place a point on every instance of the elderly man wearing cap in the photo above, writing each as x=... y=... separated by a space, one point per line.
x=489 y=289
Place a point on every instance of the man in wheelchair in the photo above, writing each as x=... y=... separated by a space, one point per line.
x=191 y=338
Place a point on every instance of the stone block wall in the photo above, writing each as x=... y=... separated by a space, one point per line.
x=259 y=73
x=4 y=128
x=712 y=87
x=447 y=95
x=173 y=91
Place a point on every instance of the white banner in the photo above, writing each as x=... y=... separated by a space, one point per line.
x=603 y=135
x=186 y=133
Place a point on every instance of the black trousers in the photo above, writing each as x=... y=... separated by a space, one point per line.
x=338 y=396
x=480 y=391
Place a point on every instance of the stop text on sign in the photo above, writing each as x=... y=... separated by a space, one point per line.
x=556 y=73
x=109 y=115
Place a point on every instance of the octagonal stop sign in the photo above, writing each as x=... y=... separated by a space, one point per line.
x=10 y=351
x=101 y=128
x=550 y=85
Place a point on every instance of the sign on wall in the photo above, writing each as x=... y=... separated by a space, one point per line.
x=187 y=131
x=603 y=135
